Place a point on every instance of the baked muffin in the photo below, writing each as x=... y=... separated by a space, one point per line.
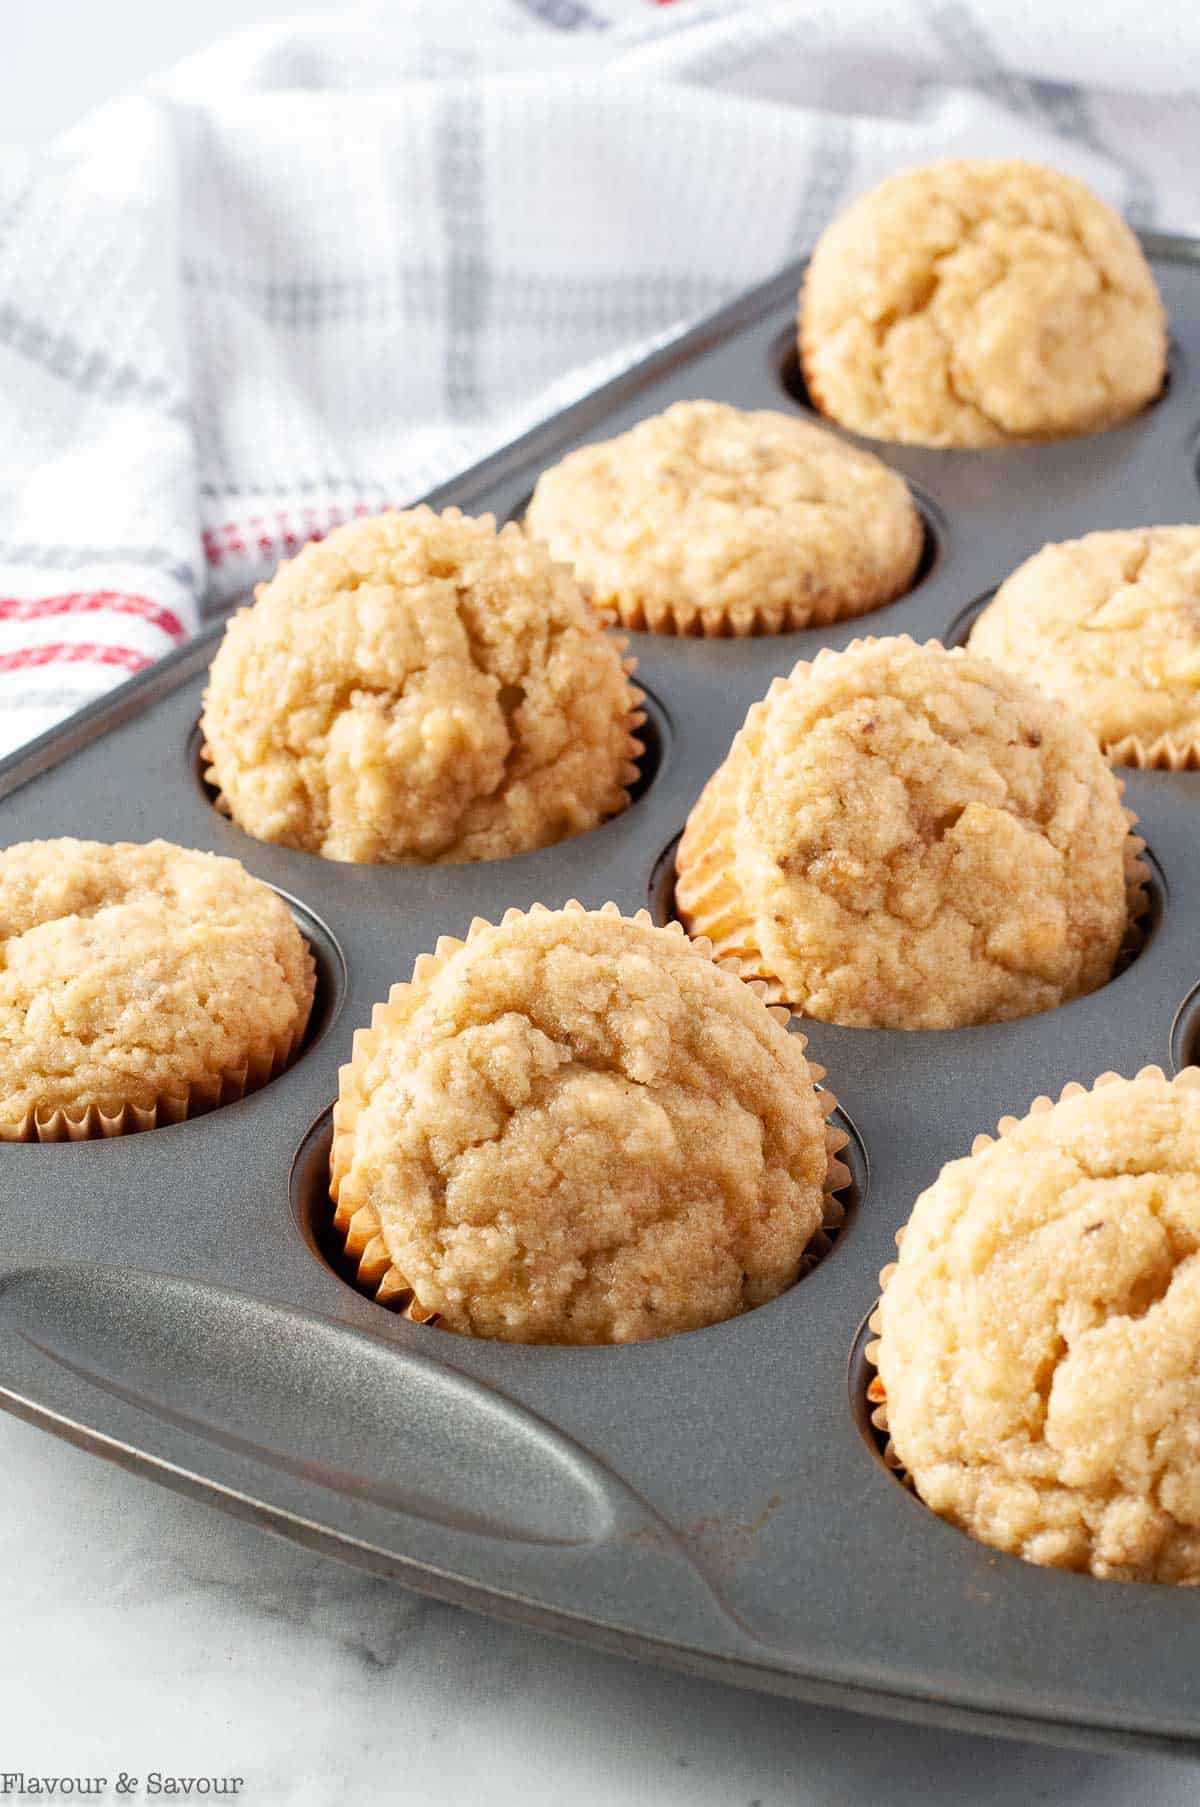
x=976 y=302
x=713 y=520
x=575 y=1128
x=903 y=837
x=1039 y=1351
x=1111 y=624
x=420 y=688
x=139 y=985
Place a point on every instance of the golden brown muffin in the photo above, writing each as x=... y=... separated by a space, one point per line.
x=139 y=985
x=420 y=688
x=575 y=1128
x=1111 y=624
x=977 y=302
x=903 y=837
x=713 y=520
x=1039 y=1348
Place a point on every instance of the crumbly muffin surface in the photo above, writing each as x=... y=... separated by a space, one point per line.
x=974 y=302
x=577 y=1129
x=1111 y=624
x=909 y=838
x=129 y=973
x=418 y=688
x=715 y=519
x=1040 y=1341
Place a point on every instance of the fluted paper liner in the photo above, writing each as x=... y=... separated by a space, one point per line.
x=1167 y=753
x=358 y=1225
x=1188 y=1077
x=114 y=1116
x=656 y=615
x=707 y=897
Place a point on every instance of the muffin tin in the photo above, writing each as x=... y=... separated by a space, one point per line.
x=715 y=1501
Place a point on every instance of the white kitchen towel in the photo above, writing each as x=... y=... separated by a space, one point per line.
x=324 y=265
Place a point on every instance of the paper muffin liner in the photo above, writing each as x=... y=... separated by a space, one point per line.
x=709 y=902
x=1166 y=754
x=357 y=1223
x=114 y=1116
x=656 y=615
x=1187 y=1077
x=630 y=772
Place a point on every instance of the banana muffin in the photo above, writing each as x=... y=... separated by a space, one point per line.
x=713 y=520
x=903 y=837
x=139 y=985
x=418 y=688
x=576 y=1128
x=1039 y=1349
x=1111 y=624
x=977 y=302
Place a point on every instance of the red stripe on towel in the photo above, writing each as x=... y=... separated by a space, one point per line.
x=89 y=602
x=25 y=658
x=281 y=533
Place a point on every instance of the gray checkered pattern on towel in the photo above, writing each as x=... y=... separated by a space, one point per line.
x=318 y=268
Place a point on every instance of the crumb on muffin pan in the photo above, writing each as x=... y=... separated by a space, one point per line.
x=718 y=1498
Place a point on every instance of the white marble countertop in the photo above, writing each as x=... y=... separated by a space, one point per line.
x=144 y=1632
x=141 y=1632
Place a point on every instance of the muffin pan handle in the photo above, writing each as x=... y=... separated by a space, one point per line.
x=307 y=1398
x=436 y=1476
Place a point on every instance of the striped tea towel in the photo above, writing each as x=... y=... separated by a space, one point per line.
x=318 y=268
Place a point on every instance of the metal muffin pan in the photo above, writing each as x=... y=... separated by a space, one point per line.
x=715 y=1501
